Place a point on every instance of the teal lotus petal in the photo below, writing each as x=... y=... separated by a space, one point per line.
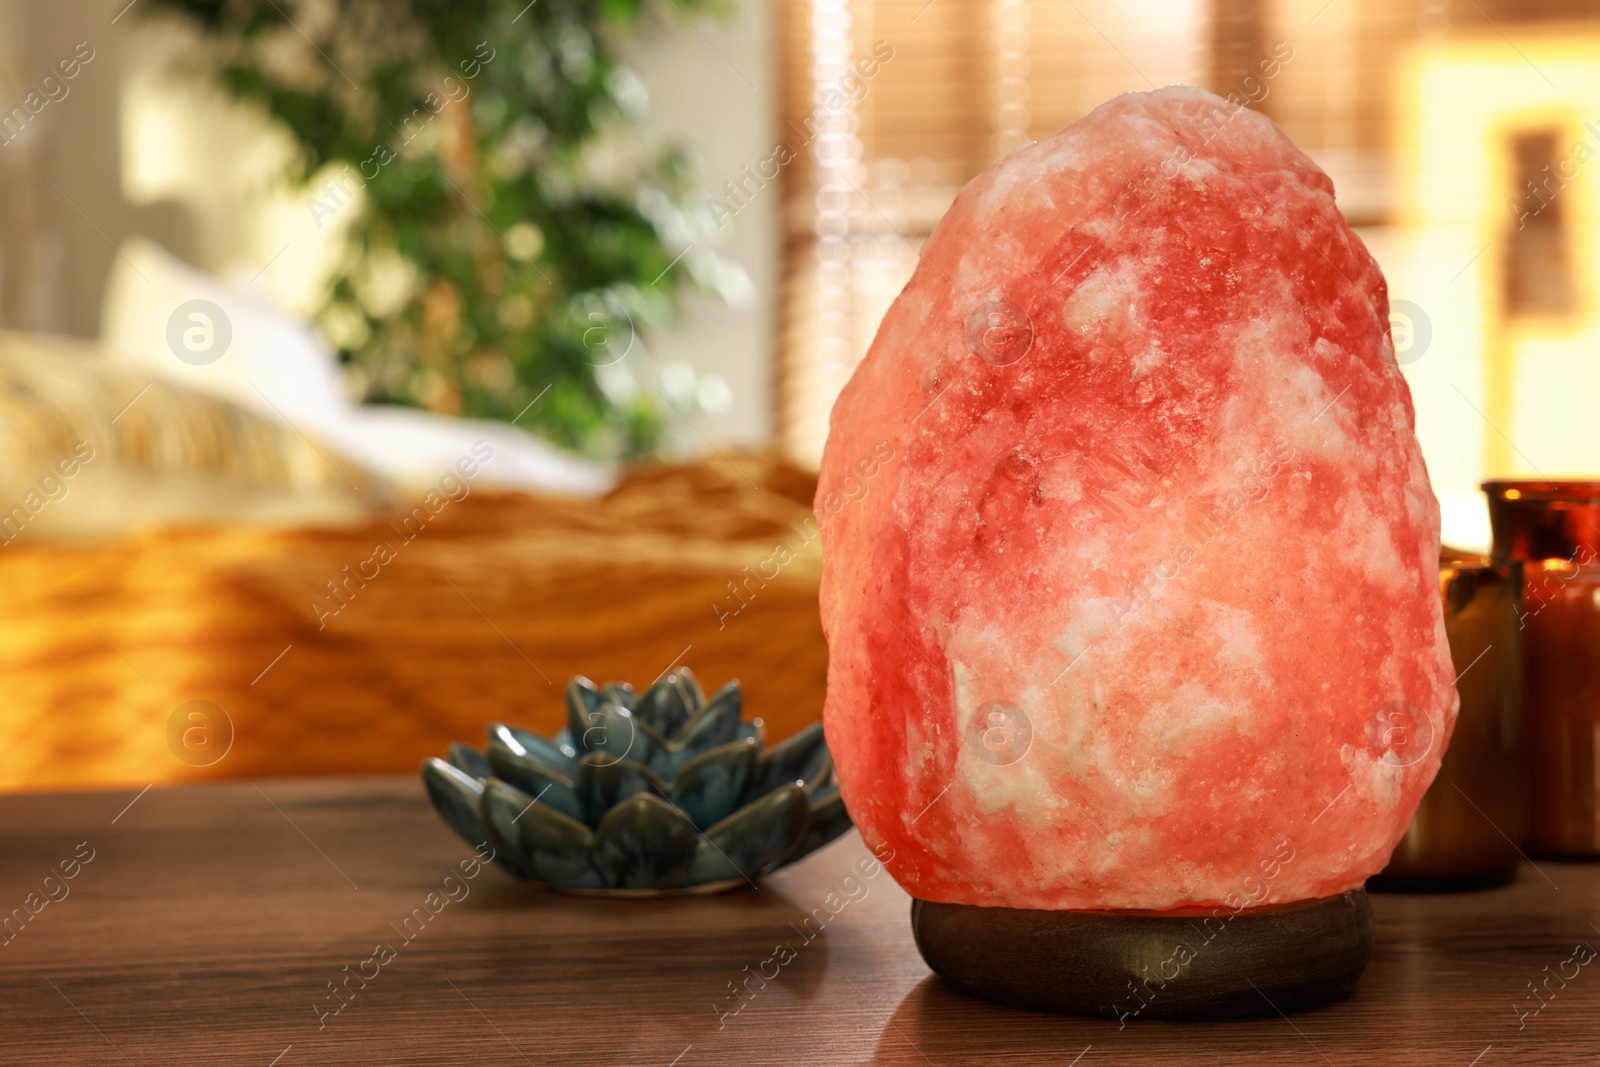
x=802 y=758
x=456 y=795
x=709 y=787
x=526 y=742
x=555 y=849
x=754 y=730
x=469 y=761
x=499 y=808
x=716 y=724
x=669 y=704
x=828 y=820
x=644 y=843
x=618 y=734
x=583 y=700
x=752 y=838
x=621 y=694
x=603 y=783
x=534 y=776
x=695 y=696
x=458 y=799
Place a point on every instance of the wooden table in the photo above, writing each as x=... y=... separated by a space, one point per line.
x=209 y=923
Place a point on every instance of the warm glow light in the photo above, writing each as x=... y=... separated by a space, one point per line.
x=1497 y=395
x=153 y=164
x=1513 y=494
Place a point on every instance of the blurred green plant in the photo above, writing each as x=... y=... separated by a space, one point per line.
x=515 y=227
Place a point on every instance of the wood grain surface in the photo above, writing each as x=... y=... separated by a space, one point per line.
x=209 y=921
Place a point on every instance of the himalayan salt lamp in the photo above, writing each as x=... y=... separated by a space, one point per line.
x=1137 y=660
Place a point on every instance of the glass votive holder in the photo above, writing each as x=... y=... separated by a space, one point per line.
x=1465 y=831
x=1554 y=526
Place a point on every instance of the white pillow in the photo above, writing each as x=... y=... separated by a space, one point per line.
x=271 y=364
x=257 y=356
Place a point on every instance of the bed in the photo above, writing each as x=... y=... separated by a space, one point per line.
x=216 y=595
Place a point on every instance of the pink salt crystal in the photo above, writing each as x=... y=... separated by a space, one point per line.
x=1144 y=611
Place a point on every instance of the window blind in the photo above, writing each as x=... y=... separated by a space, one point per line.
x=952 y=85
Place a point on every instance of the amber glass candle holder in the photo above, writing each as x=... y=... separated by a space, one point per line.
x=1554 y=526
x=1465 y=829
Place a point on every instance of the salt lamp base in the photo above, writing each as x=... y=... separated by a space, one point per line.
x=1189 y=963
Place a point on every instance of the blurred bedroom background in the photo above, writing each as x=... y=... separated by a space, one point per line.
x=369 y=369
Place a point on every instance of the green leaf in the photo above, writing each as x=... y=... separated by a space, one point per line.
x=466 y=120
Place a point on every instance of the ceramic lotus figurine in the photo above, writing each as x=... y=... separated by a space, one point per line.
x=643 y=794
